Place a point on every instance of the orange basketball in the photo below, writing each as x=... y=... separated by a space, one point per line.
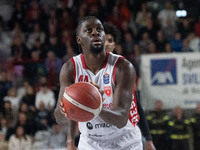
x=82 y=101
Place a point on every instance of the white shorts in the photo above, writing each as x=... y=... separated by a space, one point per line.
x=129 y=141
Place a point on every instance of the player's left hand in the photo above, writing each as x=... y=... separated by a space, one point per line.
x=101 y=91
x=149 y=145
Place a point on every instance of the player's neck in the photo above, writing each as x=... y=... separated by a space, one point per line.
x=95 y=62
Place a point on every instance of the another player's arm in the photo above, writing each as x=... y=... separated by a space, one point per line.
x=66 y=79
x=124 y=80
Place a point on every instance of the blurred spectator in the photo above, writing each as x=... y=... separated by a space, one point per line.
x=194 y=43
x=29 y=98
x=167 y=15
x=169 y=30
x=62 y=5
x=144 y=42
x=104 y=9
x=115 y=17
x=152 y=48
x=127 y=45
x=177 y=42
x=168 y=48
x=119 y=49
x=157 y=120
x=93 y=10
x=197 y=27
x=27 y=126
x=186 y=47
x=30 y=113
x=160 y=41
x=185 y=27
x=18 y=32
x=17 y=72
x=41 y=140
x=7 y=131
x=33 y=14
x=3 y=142
x=34 y=68
x=66 y=22
x=124 y=29
x=21 y=91
x=36 y=34
x=57 y=138
x=150 y=28
x=20 y=140
x=12 y=97
x=66 y=36
x=195 y=123
x=18 y=14
x=5 y=84
x=53 y=44
x=69 y=52
x=19 y=51
x=124 y=10
x=53 y=66
x=39 y=47
x=179 y=130
x=6 y=9
x=137 y=54
x=45 y=95
x=142 y=15
x=52 y=20
x=81 y=11
x=42 y=118
x=9 y=114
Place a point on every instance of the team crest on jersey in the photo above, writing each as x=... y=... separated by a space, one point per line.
x=107 y=90
x=106 y=78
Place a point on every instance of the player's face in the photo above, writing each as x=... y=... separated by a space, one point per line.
x=91 y=36
x=109 y=43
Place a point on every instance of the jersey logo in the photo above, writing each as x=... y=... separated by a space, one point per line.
x=106 y=78
x=83 y=78
x=107 y=90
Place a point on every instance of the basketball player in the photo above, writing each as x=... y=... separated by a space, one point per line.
x=111 y=129
x=112 y=38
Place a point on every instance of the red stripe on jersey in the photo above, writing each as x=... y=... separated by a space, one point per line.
x=83 y=61
x=107 y=54
x=73 y=61
x=133 y=113
x=115 y=68
x=84 y=64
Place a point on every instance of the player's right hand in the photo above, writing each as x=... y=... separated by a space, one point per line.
x=62 y=110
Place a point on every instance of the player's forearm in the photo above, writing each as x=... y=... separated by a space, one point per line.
x=71 y=131
x=116 y=118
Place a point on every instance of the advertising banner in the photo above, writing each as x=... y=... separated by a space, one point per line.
x=172 y=78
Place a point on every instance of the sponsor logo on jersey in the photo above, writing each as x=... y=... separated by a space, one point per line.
x=89 y=126
x=106 y=78
x=102 y=125
x=107 y=90
x=163 y=72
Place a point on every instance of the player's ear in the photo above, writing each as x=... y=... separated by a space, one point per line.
x=78 y=40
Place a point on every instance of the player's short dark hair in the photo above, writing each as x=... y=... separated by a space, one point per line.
x=113 y=30
x=79 y=25
x=83 y=20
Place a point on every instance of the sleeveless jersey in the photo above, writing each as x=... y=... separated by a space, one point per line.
x=97 y=128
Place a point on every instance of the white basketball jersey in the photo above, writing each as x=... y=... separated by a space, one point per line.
x=105 y=79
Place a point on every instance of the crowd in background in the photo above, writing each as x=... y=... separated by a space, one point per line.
x=38 y=36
